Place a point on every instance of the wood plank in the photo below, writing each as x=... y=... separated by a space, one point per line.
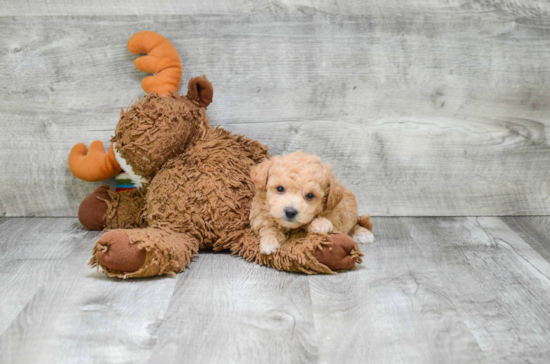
x=226 y=310
x=421 y=114
x=393 y=308
x=133 y=7
x=531 y=8
x=31 y=251
x=76 y=315
x=453 y=290
x=501 y=233
x=534 y=230
x=498 y=283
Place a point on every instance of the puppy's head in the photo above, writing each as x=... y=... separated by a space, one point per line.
x=298 y=188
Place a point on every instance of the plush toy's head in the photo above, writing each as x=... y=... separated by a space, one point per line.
x=157 y=127
x=153 y=130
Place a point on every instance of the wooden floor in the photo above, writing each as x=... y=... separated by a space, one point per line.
x=431 y=290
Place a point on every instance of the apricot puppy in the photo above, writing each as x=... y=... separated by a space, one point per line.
x=298 y=191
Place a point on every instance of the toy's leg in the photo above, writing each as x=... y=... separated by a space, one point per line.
x=105 y=208
x=307 y=253
x=143 y=252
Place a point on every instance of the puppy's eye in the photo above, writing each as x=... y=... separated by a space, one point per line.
x=280 y=189
x=310 y=196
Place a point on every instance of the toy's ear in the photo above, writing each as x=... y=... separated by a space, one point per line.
x=200 y=90
x=260 y=174
x=335 y=189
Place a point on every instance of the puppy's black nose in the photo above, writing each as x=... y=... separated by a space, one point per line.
x=290 y=212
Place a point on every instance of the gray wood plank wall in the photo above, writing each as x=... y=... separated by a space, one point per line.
x=423 y=107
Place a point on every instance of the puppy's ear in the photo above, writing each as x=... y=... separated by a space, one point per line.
x=335 y=189
x=260 y=174
x=335 y=193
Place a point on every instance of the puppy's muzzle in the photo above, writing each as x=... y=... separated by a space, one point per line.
x=290 y=213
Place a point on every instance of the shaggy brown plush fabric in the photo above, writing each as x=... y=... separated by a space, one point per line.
x=300 y=253
x=213 y=192
x=126 y=210
x=199 y=197
x=170 y=253
x=164 y=252
x=155 y=129
x=196 y=188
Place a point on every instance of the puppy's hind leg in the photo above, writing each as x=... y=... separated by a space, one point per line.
x=362 y=235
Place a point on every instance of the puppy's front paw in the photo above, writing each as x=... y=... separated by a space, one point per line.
x=269 y=244
x=320 y=225
x=363 y=236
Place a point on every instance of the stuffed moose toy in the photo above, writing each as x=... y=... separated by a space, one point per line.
x=193 y=191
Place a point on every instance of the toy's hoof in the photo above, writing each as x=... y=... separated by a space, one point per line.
x=337 y=258
x=91 y=212
x=117 y=253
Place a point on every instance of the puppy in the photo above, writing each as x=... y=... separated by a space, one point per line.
x=298 y=191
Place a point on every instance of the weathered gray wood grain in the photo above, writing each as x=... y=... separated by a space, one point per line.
x=534 y=230
x=502 y=234
x=438 y=113
x=498 y=283
x=533 y=8
x=64 y=312
x=225 y=310
x=431 y=290
x=393 y=308
x=133 y=7
x=31 y=253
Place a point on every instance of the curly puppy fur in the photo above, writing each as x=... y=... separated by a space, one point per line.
x=298 y=191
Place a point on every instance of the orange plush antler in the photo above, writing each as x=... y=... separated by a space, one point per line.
x=93 y=165
x=162 y=60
